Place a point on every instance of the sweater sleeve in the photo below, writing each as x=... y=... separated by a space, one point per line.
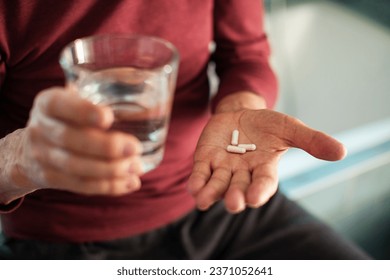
x=242 y=50
x=12 y=206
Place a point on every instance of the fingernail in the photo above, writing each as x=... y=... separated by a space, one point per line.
x=236 y=211
x=253 y=205
x=203 y=206
x=136 y=167
x=107 y=117
x=94 y=118
x=102 y=117
x=130 y=185
x=128 y=150
x=133 y=184
x=132 y=149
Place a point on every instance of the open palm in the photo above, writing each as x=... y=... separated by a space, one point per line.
x=250 y=179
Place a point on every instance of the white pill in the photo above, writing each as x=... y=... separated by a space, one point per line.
x=235 y=149
x=248 y=147
x=235 y=135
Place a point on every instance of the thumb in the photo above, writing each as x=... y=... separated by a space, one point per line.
x=316 y=143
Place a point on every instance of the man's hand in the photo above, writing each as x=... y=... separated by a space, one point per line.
x=67 y=145
x=250 y=179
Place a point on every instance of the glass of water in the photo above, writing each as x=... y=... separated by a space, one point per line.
x=135 y=76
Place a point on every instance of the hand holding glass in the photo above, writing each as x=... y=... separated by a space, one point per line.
x=135 y=76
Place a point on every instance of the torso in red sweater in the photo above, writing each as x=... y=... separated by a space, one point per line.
x=32 y=33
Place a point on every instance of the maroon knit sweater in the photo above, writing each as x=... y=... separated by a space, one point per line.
x=32 y=33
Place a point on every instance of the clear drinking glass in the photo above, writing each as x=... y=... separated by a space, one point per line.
x=135 y=76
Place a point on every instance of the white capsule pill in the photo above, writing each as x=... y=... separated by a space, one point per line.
x=235 y=135
x=235 y=149
x=248 y=147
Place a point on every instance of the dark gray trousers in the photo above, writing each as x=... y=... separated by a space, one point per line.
x=278 y=230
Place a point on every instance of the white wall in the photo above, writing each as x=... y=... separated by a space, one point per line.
x=333 y=64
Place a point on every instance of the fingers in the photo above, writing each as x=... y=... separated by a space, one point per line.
x=56 y=108
x=69 y=147
x=54 y=167
x=235 y=201
x=214 y=189
x=263 y=186
x=85 y=140
x=56 y=102
x=76 y=165
x=57 y=179
x=199 y=177
x=316 y=143
x=239 y=189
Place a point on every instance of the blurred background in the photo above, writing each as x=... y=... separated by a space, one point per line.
x=332 y=58
x=333 y=63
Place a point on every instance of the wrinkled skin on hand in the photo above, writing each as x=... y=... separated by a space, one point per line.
x=68 y=145
x=251 y=179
